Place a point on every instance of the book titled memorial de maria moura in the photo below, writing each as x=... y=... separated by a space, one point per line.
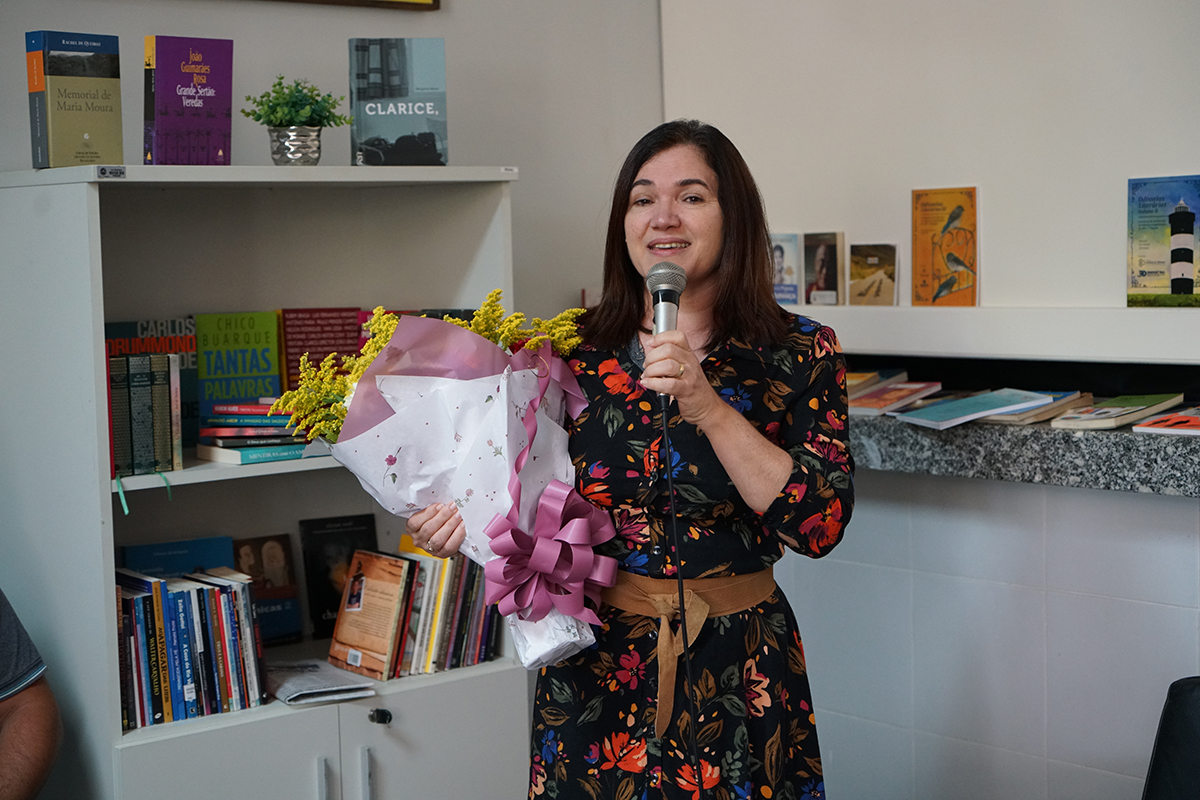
x=188 y=108
x=1162 y=241
x=398 y=99
x=74 y=98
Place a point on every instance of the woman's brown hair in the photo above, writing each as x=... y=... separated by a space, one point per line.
x=745 y=306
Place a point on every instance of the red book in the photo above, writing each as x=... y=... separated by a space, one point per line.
x=318 y=332
x=264 y=431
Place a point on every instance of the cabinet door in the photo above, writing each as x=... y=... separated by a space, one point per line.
x=290 y=756
x=464 y=737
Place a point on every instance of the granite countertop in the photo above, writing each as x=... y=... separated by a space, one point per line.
x=1118 y=460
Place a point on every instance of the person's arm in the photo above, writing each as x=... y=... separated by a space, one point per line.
x=30 y=733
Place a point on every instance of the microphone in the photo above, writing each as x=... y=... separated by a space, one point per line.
x=666 y=282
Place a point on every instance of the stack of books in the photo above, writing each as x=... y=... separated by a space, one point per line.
x=247 y=433
x=146 y=413
x=189 y=647
x=434 y=609
x=1117 y=412
x=958 y=410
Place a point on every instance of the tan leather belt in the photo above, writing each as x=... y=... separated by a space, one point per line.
x=702 y=597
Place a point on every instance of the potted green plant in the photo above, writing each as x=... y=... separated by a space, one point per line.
x=294 y=114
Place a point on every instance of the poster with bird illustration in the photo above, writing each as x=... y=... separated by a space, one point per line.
x=945 y=253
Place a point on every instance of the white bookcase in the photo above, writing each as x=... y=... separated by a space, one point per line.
x=86 y=244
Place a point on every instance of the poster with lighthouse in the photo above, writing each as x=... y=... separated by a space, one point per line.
x=1162 y=241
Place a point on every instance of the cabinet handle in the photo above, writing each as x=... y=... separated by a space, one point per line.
x=322 y=779
x=380 y=716
x=364 y=767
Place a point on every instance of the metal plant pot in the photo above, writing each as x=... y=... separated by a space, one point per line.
x=299 y=145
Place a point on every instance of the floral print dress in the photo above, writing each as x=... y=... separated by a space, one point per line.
x=594 y=716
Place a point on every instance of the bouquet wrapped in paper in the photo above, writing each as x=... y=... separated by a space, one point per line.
x=444 y=415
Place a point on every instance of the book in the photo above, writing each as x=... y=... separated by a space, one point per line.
x=891 y=397
x=327 y=544
x=317 y=332
x=118 y=411
x=237 y=361
x=188 y=102
x=247 y=409
x=160 y=405
x=269 y=563
x=141 y=414
x=245 y=432
x=252 y=441
x=1117 y=411
x=941 y=416
x=175 y=335
x=183 y=674
x=873 y=275
x=945 y=265
x=870 y=381
x=156 y=637
x=398 y=102
x=174 y=360
x=1184 y=422
x=249 y=633
x=232 y=640
x=175 y=559
x=1161 y=252
x=824 y=265
x=245 y=420
x=364 y=634
x=74 y=98
x=250 y=455
x=785 y=256
x=1059 y=402
x=312 y=681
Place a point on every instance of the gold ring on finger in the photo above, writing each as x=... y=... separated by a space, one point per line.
x=680 y=373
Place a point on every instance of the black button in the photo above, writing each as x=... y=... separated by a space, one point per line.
x=657 y=550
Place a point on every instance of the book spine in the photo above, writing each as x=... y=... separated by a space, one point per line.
x=148 y=103
x=141 y=414
x=203 y=655
x=174 y=655
x=158 y=692
x=142 y=658
x=188 y=674
x=35 y=67
x=414 y=619
x=123 y=663
x=198 y=649
x=173 y=367
x=253 y=647
x=220 y=651
x=160 y=406
x=122 y=441
x=457 y=613
x=253 y=420
x=138 y=716
x=237 y=675
x=251 y=409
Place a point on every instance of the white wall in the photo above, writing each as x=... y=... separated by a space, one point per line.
x=974 y=639
x=843 y=107
x=978 y=639
x=560 y=90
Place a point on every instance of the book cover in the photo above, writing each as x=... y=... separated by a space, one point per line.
x=160 y=403
x=892 y=396
x=1117 y=411
x=175 y=559
x=269 y=563
x=188 y=103
x=276 y=421
x=1162 y=241
x=785 y=256
x=176 y=335
x=944 y=248
x=74 y=98
x=252 y=441
x=319 y=332
x=824 y=268
x=364 y=634
x=873 y=275
x=327 y=544
x=1185 y=422
x=141 y=414
x=237 y=360
x=250 y=455
x=122 y=441
x=1059 y=403
x=956 y=412
x=874 y=380
x=398 y=102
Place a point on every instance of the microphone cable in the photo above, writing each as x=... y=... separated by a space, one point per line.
x=664 y=402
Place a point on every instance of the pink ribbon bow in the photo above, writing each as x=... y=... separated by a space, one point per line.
x=555 y=567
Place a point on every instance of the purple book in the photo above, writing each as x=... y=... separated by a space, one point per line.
x=189 y=100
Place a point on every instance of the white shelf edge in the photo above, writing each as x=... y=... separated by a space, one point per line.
x=274 y=708
x=196 y=471
x=1099 y=334
x=144 y=175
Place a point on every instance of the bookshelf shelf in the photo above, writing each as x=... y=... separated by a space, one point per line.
x=162 y=243
x=1152 y=335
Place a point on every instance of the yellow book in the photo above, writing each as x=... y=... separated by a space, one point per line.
x=945 y=270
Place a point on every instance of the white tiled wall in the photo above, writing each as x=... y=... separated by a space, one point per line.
x=978 y=639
